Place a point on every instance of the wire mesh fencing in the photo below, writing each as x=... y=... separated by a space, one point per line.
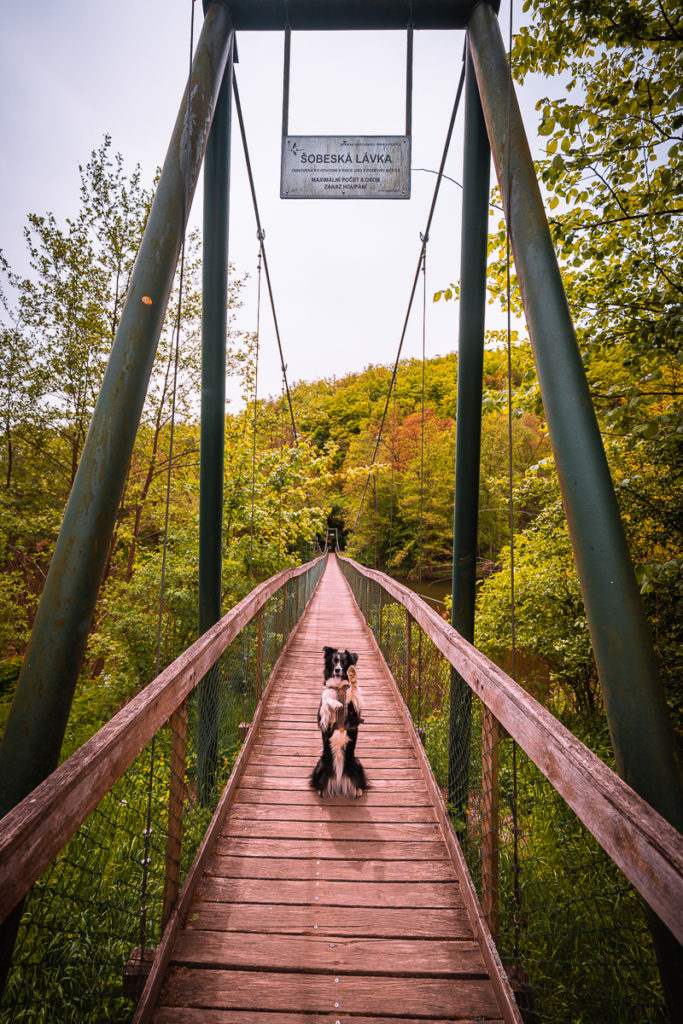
x=91 y=922
x=571 y=930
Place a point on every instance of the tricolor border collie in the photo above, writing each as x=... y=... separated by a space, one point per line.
x=338 y=771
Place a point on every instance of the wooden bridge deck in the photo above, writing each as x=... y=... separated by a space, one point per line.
x=329 y=910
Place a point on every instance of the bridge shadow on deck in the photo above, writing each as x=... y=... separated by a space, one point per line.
x=328 y=910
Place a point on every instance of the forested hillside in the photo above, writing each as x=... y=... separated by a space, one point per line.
x=614 y=187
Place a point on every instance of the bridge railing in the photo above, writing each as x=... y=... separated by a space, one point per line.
x=565 y=857
x=110 y=836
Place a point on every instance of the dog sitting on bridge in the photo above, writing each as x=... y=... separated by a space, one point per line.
x=338 y=771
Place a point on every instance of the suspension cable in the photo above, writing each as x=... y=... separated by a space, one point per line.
x=391 y=504
x=511 y=513
x=245 y=147
x=422 y=420
x=147 y=834
x=281 y=404
x=422 y=468
x=424 y=236
x=261 y=236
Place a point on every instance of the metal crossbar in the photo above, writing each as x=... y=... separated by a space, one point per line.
x=347 y=15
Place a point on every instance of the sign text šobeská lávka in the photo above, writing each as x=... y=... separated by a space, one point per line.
x=345 y=167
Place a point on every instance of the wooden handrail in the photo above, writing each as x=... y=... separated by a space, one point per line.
x=33 y=832
x=640 y=841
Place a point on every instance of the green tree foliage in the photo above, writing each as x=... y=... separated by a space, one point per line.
x=550 y=623
x=406 y=519
x=613 y=176
x=56 y=328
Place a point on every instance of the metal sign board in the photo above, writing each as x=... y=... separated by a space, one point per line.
x=345 y=167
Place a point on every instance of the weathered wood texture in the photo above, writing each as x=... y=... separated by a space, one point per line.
x=33 y=832
x=490 y=735
x=176 y=804
x=639 y=840
x=183 y=1015
x=313 y=909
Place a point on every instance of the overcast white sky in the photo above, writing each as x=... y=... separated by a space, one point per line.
x=341 y=269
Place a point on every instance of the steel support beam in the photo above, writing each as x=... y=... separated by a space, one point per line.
x=348 y=15
x=40 y=710
x=39 y=713
x=639 y=723
x=473 y=251
x=634 y=699
x=212 y=443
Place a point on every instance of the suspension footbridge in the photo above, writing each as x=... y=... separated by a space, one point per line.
x=178 y=866
x=346 y=907
x=223 y=892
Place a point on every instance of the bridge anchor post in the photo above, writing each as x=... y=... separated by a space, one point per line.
x=476 y=173
x=212 y=439
x=635 y=705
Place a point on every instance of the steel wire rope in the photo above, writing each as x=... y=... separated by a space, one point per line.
x=511 y=512
x=282 y=472
x=424 y=236
x=245 y=147
x=422 y=470
x=162 y=582
x=391 y=502
x=261 y=236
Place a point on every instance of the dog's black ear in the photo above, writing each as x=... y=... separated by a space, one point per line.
x=353 y=657
x=328 y=650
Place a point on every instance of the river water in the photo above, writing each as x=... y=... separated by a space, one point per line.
x=432 y=591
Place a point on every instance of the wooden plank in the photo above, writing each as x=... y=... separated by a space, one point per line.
x=304 y=897
x=178 y=916
x=306 y=731
x=297 y=740
x=301 y=701
x=394 y=785
x=303 y=770
x=446 y=998
x=375 y=922
x=428 y=958
x=639 y=840
x=308 y=695
x=368 y=870
x=346 y=812
x=349 y=849
x=383 y=730
x=304 y=720
x=190 y=1015
x=33 y=832
x=499 y=979
x=490 y=817
x=294 y=761
x=306 y=698
x=292 y=719
x=308 y=797
x=329 y=892
x=407 y=832
x=176 y=807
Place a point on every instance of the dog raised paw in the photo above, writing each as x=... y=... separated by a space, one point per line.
x=328 y=710
x=338 y=772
